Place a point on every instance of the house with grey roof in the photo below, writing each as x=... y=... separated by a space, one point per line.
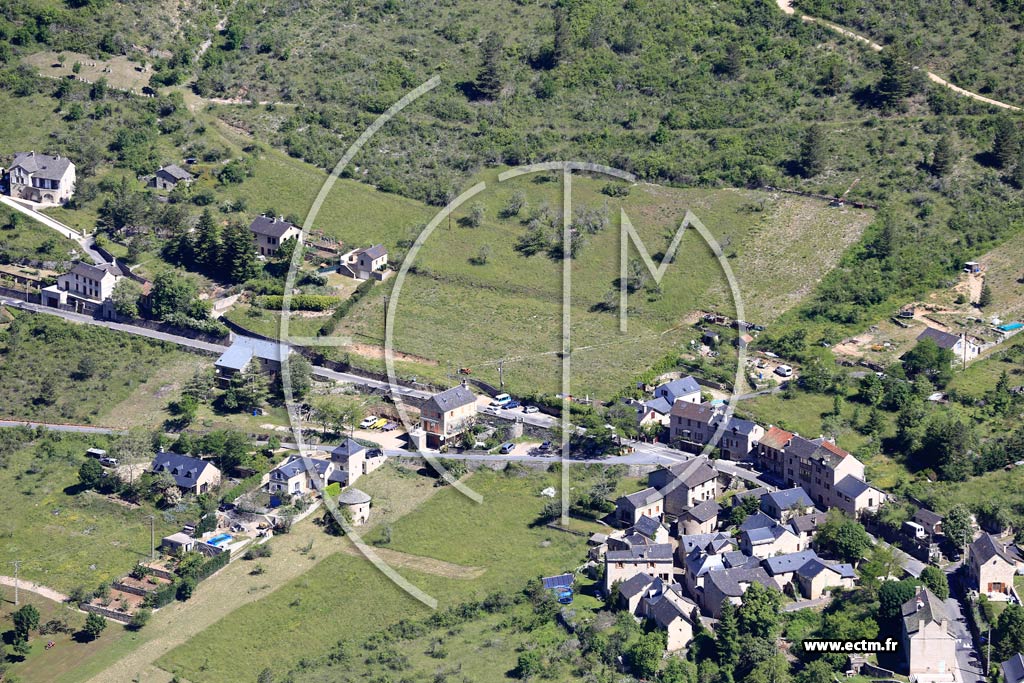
x=673 y=618
x=245 y=350
x=86 y=288
x=763 y=542
x=928 y=647
x=270 y=232
x=931 y=521
x=685 y=484
x=168 y=177
x=964 y=348
x=447 y=414
x=649 y=502
x=787 y=503
x=695 y=425
x=191 y=475
x=816 y=577
x=682 y=389
x=621 y=565
x=300 y=475
x=992 y=566
x=366 y=263
x=700 y=519
x=348 y=458
x=652 y=412
x=1013 y=669
x=730 y=584
x=783 y=567
x=43 y=178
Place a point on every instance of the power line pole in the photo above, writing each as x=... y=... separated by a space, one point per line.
x=17 y=566
x=152 y=538
x=501 y=373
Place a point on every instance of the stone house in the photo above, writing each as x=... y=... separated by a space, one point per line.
x=446 y=415
x=41 y=178
x=686 y=484
x=928 y=648
x=191 y=475
x=992 y=566
x=270 y=232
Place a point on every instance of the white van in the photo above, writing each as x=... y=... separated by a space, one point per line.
x=501 y=400
x=784 y=371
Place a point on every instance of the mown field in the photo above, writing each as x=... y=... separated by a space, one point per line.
x=343 y=595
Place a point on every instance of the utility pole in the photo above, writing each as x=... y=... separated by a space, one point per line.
x=152 y=538
x=988 y=651
x=387 y=299
x=501 y=373
x=17 y=566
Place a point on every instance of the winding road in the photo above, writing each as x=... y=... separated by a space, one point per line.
x=787 y=7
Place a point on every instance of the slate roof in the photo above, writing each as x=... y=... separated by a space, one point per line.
x=944 y=340
x=736 y=560
x=648 y=526
x=740 y=426
x=243 y=349
x=659 y=405
x=985 y=547
x=642 y=498
x=96 y=272
x=690 y=541
x=852 y=486
x=176 y=172
x=271 y=226
x=776 y=438
x=659 y=552
x=699 y=563
x=680 y=387
x=450 y=399
x=297 y=465
x=704 y=413
x=801 y=447
x=353 y=497
x=664 y=612
x=729 y=581
x=924 y=606
x=740 y=496
x=691 y=473
x=926 y=516
x=185 y=469
x=764 y=534
x=808 y=523
x=634 y=585
x=374 y=252
x=42 y=165
x=757 y=520
x=1013 y=669
x=816 y=566
x=791 y=562
x=347 y=449
x=707 y=510
x=789 y=498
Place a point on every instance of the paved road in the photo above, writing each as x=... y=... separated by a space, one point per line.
x=83 y=429
x=787 y=7
x=968 y=658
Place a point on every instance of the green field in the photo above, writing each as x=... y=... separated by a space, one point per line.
x=67 y=539
x=344 y=594
x=57 y=371
x=32 y=240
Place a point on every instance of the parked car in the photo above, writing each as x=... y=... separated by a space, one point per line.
x=507 y=447
x=784 y=371
x=512 y=405
x=491 y=410
x=109 y=462
x=374 y=453
x=381 y=421
x=389 y=427
x=501 y=400
x=531 y=409
x=367 y=421
x=544 y=447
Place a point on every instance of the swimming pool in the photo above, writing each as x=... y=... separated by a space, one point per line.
x=219 y=540
x=1010 y=327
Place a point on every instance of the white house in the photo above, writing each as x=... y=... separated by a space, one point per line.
x=363 y=264
x=270 y=232
x=964 y=348
x=682 y=389
x=300 y=475
x=84 y=288
x=41 y=178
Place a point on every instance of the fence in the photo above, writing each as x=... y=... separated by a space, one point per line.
x=108 y=613
x=30 y=297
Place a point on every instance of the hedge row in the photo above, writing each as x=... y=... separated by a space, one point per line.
x=341 y=311
x=299 y=302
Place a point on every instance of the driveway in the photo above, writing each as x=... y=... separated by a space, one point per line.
x=968 y=658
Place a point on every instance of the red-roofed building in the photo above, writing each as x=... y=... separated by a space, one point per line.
x=769 y=451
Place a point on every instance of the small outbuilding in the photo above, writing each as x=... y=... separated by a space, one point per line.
x=357 y=503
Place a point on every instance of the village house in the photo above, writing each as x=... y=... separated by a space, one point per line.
x=357 y=504
x=300 y=475
x=634 y=590
x=769 y=452
x=700 y=519
x=655 y=411
x=271 y=232
x=670 y=617
x=928 y=648
x=85 y=289
x=168 y=177
x=1013 y=669
x=683 y=389
x=649 y=502
x=818 y=577
x=765 y=541
x=446 y=415
x=788 y=503
x=992 y=566
x=964 y=348
x=783 y=568
x=651 y=597
x=686 y=484
x=930 y=521
x=694 y=425
x=245 y=350
x=191 y=475
x=621 y=565
x=730 y=584
x=363 y=264
x=41 y=178
x=348 y=459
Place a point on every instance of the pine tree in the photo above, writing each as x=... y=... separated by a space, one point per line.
x=897 y=78
x=727 y=636
x=563 y=36
x=1006 y=147
x=813 y=152
x=207 y=243
x=1018 y=171
x=985 y=298
x=944 y=156
x=238 y=254
x=488 y=81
